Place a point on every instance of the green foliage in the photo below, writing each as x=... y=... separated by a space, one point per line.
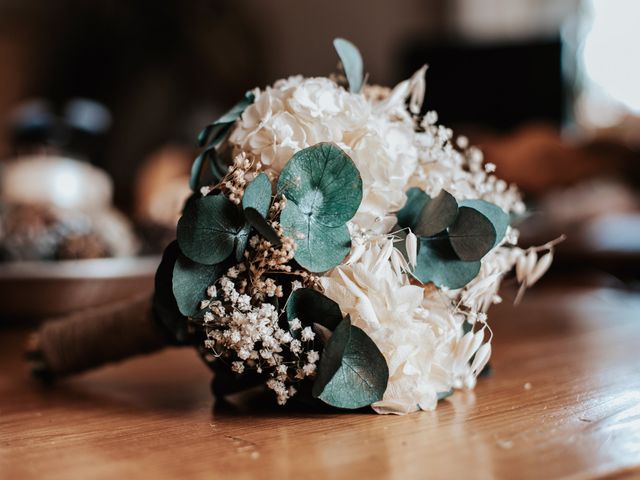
x=190 y=283
x=438 y=263
x=472 y=235
x=258 y=195
x=498 y=217
x=436 y=215
x=351 y=63
x=310 y=306
x=257 y=221
x=210 y=228
x=452 y=239
x=446 y=394
x=352 y=372
x=409 y=215
x=324 y=190
x=219 y=129
x=165 y=308
x=227 y=119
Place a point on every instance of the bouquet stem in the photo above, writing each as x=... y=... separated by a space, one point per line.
x=95 y=337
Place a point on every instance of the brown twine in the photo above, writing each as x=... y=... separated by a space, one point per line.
x=94 y=337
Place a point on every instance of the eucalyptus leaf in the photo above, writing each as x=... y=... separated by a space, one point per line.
x=324 y=183
x=310 y=306
x=438 y=263
x=210 y=228
x=498 y=217
x=323 y=334
x=257 y=221
x=228 y=118
x=164 y=305
x=351 y=63
x=196 y=167
x=472 y=235
x=438 y=214
x=190 y=283
x=324 y=190
x=258 y=195
x=318 y=248
x=445 y=394
x=409 y=215
x=352 y=372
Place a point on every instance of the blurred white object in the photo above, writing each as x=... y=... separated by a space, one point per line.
x=608 y=71
x=55 y=181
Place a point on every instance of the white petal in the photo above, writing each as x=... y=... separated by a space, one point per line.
x=540 y=269
x=411 y=244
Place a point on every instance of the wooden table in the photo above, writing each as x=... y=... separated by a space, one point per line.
x=563 y=402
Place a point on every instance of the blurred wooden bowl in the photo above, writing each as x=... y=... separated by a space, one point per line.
x=34 y=290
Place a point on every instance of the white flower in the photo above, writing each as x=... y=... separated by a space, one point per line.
x=307 y=334
x=309 y=369
x=313 y=356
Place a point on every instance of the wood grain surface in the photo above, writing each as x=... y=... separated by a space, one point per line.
x=563 y=402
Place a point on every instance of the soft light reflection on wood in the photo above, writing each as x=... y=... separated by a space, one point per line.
x=564 y=401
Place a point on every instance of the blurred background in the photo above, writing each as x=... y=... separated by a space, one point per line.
x=549 y=89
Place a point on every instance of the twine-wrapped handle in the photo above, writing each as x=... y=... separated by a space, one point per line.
x=94 y=337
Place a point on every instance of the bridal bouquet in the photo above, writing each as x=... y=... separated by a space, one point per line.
x=350 y=251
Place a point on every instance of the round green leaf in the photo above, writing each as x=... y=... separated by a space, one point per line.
x=495 y=214
x=190 y=283
x=311 y=306
x=438 y=214
x=472 y=235
x=438 y=263
x=258 y=195
x=409 y=214
x=351 y=63
x=324 y=183
x=318 y=248
x=352 y=372
x=210 y=228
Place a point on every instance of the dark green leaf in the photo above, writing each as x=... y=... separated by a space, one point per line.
x=228 y=118
x=211 y=153
x=257 y=221
x=495 y=214
x=351 y=63
x=472 y=234
x=311 y=306
x=352 y=372
x=438 y=263
x=438 y=214
x=323 y=334
x=165 y=308
x=409 y=215
x=196 y=167
x=318 y=248
x=190 y=283
x=258 y=195
x=210 y=228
